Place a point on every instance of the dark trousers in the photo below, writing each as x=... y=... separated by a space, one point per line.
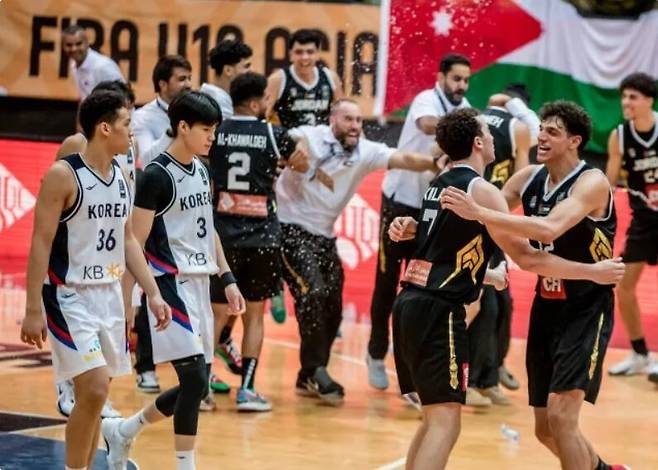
x=144 y=350
x=389 y=261
x=314 y=274
x=483 y=342
x=504 y=324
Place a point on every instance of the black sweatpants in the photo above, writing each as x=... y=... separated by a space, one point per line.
x=483 y=342
x=314 y=274
x=389 y=261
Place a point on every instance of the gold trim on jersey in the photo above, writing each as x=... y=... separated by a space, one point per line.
x=501 y=172
x=470 y=257
x=303 y=287
x=600 y=248
x=382 y=253
x=454 y=381
x=595 y=351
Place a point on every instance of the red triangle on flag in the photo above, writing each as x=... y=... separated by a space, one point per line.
x=420 y=32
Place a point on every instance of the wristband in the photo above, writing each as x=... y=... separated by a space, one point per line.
x=227 y=279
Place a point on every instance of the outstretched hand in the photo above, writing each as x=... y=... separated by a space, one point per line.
x=460 y=203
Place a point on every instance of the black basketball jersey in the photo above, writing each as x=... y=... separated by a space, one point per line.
x=640 y=166
x=301 y=104
x=501 y=126
x=457 y=249
x=589 y=241
x=243 y=162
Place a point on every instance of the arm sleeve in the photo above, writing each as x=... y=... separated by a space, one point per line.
x=154 y=189
x=110 y=71
x=378 y=156
x=283 y=141
x=143 y=135
x=520 y=110
x=423 y=105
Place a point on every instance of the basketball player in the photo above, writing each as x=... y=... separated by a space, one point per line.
x=173 y=217
x=81 y=244
x=229 y=59
x=77 y=143
x=302 y=93
x=244 y=162
x=402 y=194
x=633 y=151
x=489 y=332
x=569 y=212
x=308 y=205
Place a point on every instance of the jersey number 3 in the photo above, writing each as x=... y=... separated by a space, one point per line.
x=242 y=168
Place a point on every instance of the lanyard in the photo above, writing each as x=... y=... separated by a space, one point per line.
x=441 y=102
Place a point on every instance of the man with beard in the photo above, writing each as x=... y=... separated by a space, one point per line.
x=243 y=163
x=309 y=204
x=402 y=194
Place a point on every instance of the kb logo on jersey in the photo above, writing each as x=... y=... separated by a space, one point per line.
x=122 y=189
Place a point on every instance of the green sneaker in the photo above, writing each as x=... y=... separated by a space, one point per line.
x=231 y=356
x=278 y=308
x=218 y=386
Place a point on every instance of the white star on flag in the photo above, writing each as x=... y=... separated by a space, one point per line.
x=442 y=22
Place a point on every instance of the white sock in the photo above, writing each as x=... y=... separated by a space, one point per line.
x=185 y=460
x=132 y=426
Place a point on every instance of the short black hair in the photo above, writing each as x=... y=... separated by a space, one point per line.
x=518 y=90
x=247 y=86
x=164 y=68
x=228 y=52
x=193 y=107
x=575 y=119
x=73 y=29
x=101 y=106
x=456 y=132
x=305 y=36
x=119 y=86
x=641 y=82
x=449 y=60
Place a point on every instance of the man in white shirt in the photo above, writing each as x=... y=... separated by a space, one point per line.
x=172 y=75
x=402 y=194
x=308 y=206
x=229 y=59
x=89 y=67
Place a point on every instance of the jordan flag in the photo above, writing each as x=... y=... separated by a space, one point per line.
x=545 y=44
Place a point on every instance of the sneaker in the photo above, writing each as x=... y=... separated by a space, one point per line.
x=620 y=467
x=249 y=400
x=65 y=398
x=634 y=364
x=653 y=373
x=229 y=353
x=303 y=391
x=108 y=411
x=278 y=308
x=475 y=398
x=496 y=395
x=377 y=377
x=324 y=387
x=506 y=379
x=147 y=382
x=412 y=399
x=118 y=447
x=217 y=385
x=208 y=403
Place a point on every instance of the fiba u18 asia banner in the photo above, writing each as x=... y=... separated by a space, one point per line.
x=136 y=33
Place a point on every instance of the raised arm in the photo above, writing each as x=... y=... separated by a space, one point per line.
x=522 y=141
x=274 y=82
x=57 y=193
x=614 y=159
x=412 y=161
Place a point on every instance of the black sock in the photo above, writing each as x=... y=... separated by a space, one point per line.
x=602 y=465
x=640 y=346
x=248 y=372
x=225 y=335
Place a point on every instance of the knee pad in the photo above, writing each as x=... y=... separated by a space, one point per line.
x=193 y=387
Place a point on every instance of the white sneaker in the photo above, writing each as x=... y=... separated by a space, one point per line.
x=634 y=364
x=377 y=377
x=147 y=382
x=476 y=399
x=108 y=411
x=208 y=403
x=65 y=398
x=118 y=447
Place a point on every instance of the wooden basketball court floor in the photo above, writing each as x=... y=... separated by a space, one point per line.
x=371 y=431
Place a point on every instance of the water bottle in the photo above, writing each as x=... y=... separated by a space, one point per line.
x=278 y=308
x=510 y=434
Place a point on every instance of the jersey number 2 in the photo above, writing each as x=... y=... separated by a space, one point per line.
x=242 y=169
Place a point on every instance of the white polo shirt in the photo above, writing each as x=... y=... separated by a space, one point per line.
x=94 y=69
x=222 y=98
x=149 y=124
x=408 y=187
x=302 y=199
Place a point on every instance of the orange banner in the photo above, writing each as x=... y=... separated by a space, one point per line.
x=136 y=33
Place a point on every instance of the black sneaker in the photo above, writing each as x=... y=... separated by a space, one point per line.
x=328 y=390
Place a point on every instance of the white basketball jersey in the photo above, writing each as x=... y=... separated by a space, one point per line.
x=88 y=247
x=182 y=239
